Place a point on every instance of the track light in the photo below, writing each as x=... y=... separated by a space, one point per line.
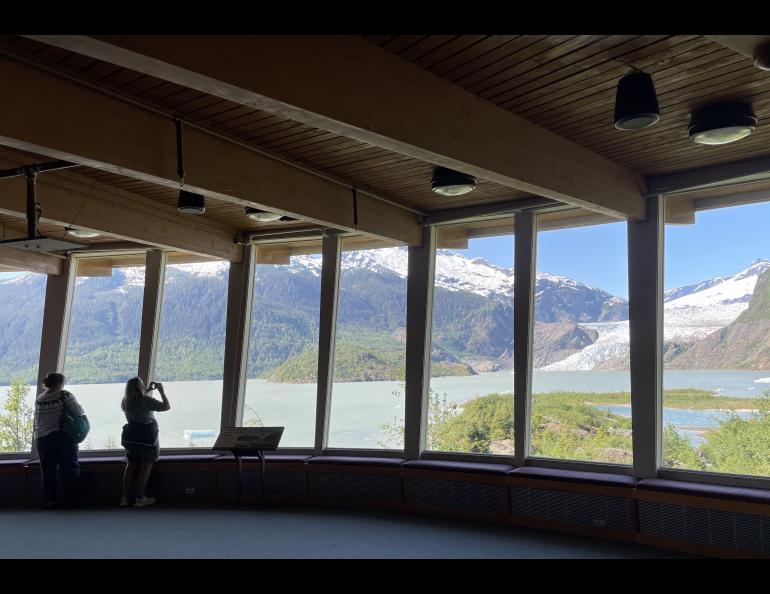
x=722 y=123
x=448 y=182
x=762 y=56
x=191 y=203
x=263 y=216
x=82 y=233
x=636 y=104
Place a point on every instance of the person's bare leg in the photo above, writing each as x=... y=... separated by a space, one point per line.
x=143 y=477
x=128 y=478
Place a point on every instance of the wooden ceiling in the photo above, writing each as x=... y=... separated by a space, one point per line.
x=564 y=83
x=567 y=84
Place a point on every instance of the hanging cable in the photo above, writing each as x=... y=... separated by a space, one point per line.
x=179 y=159
x=355 y=209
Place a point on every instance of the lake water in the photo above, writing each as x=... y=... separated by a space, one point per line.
x=359 y=409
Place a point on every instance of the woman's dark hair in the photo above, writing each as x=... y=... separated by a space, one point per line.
x=53 y=380
x=132 y=394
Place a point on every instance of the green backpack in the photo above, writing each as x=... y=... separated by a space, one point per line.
x=76 y=426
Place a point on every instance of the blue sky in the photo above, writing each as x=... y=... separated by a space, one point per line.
x=721 y=243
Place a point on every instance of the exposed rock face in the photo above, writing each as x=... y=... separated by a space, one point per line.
x=742 y=344
x=554 y=342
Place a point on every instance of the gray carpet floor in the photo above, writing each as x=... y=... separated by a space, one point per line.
x=283 y=532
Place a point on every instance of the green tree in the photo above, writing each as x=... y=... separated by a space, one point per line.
x=17 y=424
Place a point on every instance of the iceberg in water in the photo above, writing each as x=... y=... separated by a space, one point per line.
x=762 y=380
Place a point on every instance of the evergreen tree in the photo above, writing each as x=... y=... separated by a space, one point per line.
x=17 y=424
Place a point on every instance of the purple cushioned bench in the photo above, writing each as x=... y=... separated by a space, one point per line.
x=705 y=490
x=14 y=462
x=356 y=461
x=451 y=466
x=574 y=476
x=270 y=458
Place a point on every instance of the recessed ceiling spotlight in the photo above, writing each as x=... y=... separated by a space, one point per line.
x=82 y=233
x=722 y=123
x=448 y=182
x=263 y=216
x=191 y=203
x=636 y=104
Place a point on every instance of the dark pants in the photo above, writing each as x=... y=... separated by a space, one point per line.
x=59 y=453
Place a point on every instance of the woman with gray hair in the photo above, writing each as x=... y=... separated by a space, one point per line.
x=140 y=438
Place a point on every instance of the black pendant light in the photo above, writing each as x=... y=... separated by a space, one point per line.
x=636 y=104
x=448 y=182
x=722 y=123
x=189 y=202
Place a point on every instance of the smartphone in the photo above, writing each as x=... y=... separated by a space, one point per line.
x=152 y=386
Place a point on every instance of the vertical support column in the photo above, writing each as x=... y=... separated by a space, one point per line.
x=645 y=309
x=240 y=290
x=419 y=322
x=523 y=323
x=56 y=321
x=327 y=327
x=56 y=324
x=154 y=276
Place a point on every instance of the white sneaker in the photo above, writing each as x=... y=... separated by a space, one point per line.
x=143 y=501
x=124 y=501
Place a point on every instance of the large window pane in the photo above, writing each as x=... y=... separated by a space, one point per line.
x=22 y=296
x=103 y=345
x=471 y=385
x=367 y=404
x=282 y=366
x=716 y=403
x=190 y=355
x=581 y=403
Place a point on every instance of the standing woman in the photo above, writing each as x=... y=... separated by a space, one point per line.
x=57 y=450
x=140 y=438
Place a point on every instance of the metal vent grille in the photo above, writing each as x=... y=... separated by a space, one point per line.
x=477 y=497
x=571 y=508
x=354 y=488
x=719 y=528
x=180 y=483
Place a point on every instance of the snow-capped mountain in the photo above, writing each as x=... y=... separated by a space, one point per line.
x=690 y=313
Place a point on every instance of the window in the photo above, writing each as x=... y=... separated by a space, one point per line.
x=282 y=365
x=103 y=345
x=471 y=385
x=367 y=402
x=190 y=352
x=22 y=296
x=716 y=402
x=581 y=401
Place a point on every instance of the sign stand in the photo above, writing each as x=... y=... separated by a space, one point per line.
x=249 y=441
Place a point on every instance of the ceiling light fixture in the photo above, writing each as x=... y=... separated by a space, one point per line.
x=189 y=202
x=448 y=182
x=762 y=56
x=636 y=104
x=82 y=233
x=722 y=123
x=263 y=216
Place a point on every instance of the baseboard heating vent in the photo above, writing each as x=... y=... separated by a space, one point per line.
x=713 y=527
x=448 y=494
x=583 y=509
x=355 y=488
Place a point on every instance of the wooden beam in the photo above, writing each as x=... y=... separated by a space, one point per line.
x=743 y=44
x=679 y=210
x=351 y=87
x=69 y=198
x=52 y=116
x=30 y=261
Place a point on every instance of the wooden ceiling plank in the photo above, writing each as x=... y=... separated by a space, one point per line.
x=585 y=80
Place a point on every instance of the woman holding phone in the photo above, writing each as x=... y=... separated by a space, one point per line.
x=140 y=438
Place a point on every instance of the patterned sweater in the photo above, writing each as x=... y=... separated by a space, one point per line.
x=49 y=408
